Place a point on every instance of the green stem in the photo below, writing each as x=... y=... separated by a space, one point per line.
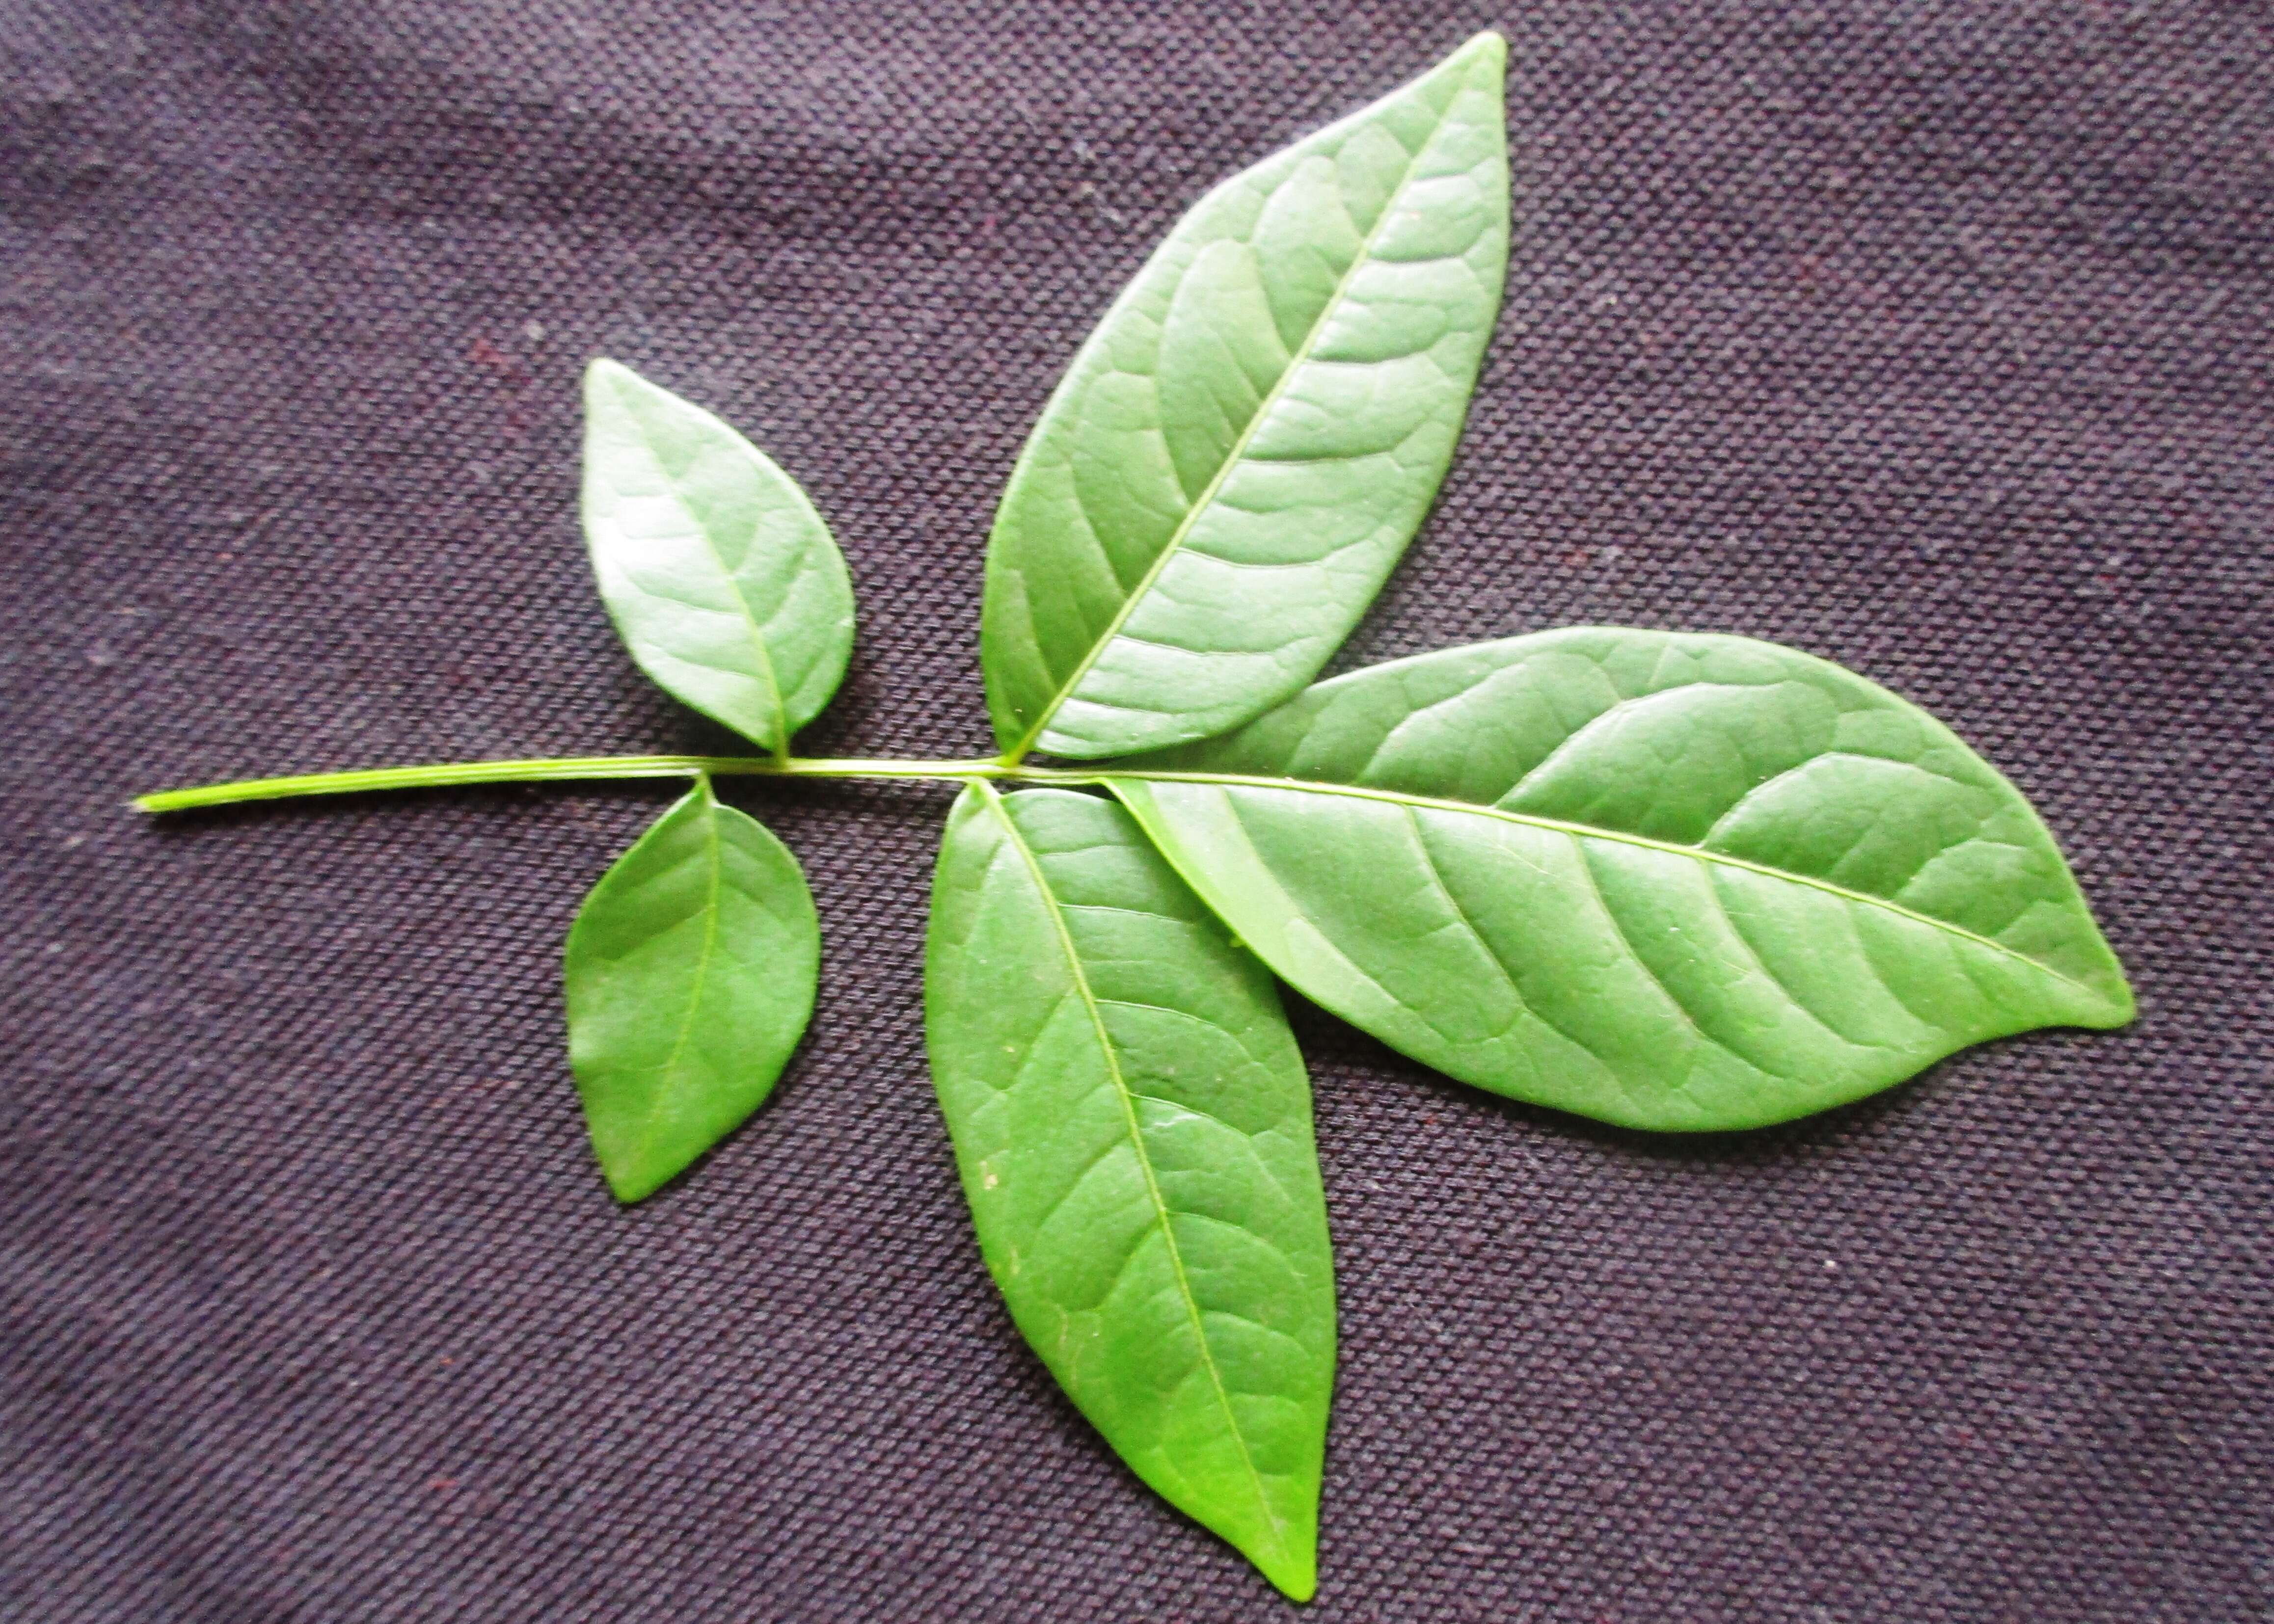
x=558 y=769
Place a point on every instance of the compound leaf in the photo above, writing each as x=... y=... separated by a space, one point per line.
x=690 y=972
x=1133 y=1126
x=1671 y=881
x=1241 y=451
x=722 y=580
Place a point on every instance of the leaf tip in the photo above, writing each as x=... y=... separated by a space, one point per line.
x=1489 y=47
x=601 y=374
x=1288 y=1552
x=2119 y=1007
x=631 y=1186
x=1294 y=1573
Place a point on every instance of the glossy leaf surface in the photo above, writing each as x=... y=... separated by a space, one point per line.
x=1133 y=1126
x=1242 y=449
x=691 y=971
x=1671 y=881
x=722 y=580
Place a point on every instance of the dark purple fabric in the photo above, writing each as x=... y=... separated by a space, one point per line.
x=1930 y=337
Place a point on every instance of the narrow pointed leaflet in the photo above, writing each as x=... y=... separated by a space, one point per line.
x=1133 y=1127
x=1241 y=451
x=723 y=581
x=690 y=975
x=1671 y=881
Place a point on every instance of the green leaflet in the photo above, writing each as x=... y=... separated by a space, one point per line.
x=1133 y=1125
x=690 y=977
x=1672 y=882
x=722 y=580
x=1241 y=451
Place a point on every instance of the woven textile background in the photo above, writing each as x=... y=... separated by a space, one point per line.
x=1932 y=337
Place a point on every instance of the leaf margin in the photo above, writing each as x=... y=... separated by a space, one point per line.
x=635 y=1172
x=1130 y=781
x=612 y=393
x=1016 y=739
x=1292 y=1565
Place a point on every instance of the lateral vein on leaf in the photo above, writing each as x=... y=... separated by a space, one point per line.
x=1127 y=1097
x=1767 y=973
x=1688 y=1017
x=1297 y=359
x=1525 y=1007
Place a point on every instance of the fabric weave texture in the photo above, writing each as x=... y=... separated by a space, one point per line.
x=1931 y=338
